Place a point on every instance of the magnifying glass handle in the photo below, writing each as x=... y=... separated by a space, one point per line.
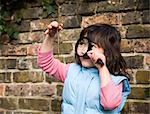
x=99 y=61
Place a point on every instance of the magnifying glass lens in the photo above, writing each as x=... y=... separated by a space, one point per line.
x=83 y=47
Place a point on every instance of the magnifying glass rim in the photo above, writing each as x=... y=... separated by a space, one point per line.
x=88 y=43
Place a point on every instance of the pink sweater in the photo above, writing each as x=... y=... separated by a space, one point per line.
x=111 y=95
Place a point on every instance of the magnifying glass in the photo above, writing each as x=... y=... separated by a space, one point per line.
x=84 y=46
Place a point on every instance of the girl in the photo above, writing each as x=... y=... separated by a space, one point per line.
x=97 y=82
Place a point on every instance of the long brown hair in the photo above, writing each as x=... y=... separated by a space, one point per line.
x=109 y=38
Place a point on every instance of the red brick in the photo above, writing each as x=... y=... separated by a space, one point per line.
x=143 y=77
x=43 y=90
x=2 y=89
x=40 y=24
x=139 y=93
x=32 y=49
x=13 y=50
x=127 y=45
x=136 y=108
x=108 y=18
x=147 y=60
x=142 y=45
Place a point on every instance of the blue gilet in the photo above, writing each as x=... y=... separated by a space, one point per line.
x=81 y=92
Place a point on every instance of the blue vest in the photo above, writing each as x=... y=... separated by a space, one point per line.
x=82 y=88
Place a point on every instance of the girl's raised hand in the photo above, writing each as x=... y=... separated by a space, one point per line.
x=53 y=28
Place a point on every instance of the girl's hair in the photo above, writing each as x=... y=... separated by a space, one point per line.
x=109 y=38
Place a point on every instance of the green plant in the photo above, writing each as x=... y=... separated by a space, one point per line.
x=7 y=10
x=11 y=11
x=49 y=6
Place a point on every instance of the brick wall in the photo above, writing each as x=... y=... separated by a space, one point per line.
x=26 y=89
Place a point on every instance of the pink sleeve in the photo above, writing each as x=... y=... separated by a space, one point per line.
x=51 y=65
x=111 y=95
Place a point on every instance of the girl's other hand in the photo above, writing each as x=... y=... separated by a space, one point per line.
x=53 y=28
x=95 y=54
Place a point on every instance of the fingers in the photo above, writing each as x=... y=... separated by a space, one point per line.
x=95 y=55
x=54 y=24
x=47 y=31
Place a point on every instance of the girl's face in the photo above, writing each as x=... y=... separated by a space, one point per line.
x=82 y=48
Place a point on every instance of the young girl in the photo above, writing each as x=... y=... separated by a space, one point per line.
x=97 y=82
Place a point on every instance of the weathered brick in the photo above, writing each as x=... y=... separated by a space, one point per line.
x=70 y=21
x=21 y=112
x=23 y=26
x=13 y=50
x=23 y=64
x=56 y=104
x=29 y=90
x=59 y=89
x=9 y=112
x=64 y=48
x=147 y=61
x=50 y=78
x=122 y=30
x=86 y=8
x=108 y=18
x=30 y=37
x=131 y=17
x=36 y=36
x=70 y=34
x=32 y=49
x=2 y=89
x=53 y=15
x=127 y=45
x=138 y=31
x=32 y=13
x=34 y=104
x=117 y=5
x=61 y=59
x=34 y=63
x=65 y=1
x=5 y=77
x=68 y=9
x=42 y=90
x=134 y=61
x=136 y=108
x=142 y=45
x=17 y=90
x=139 y=93
x=27 y=76
x=23 y=37
x=108 y=6
x=4 y=39
x=145 y=16
x=8 y=103
x=34 y=3
x=143 y=77
x=142 y=4
x=7 y=63
x=40 y=24
x=128 y=5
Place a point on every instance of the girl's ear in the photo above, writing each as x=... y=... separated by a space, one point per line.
x=112 y=40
